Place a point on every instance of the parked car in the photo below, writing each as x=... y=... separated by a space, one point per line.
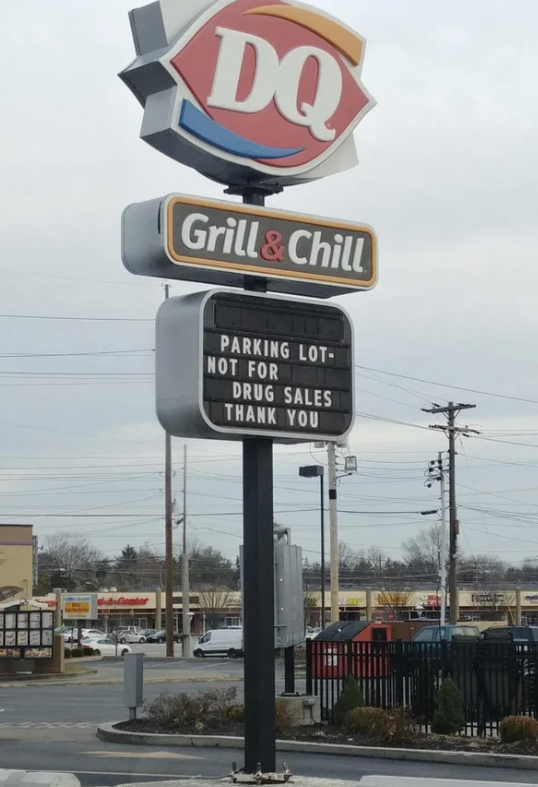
x=160 y=637
x=312 y=633
x=138 y=636
x=220 y=642
x=518 y=634
x=521 y=660
x=449 y=633
x=71 y=634
x=104 y=646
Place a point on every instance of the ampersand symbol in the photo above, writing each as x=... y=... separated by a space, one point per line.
x=271 y=251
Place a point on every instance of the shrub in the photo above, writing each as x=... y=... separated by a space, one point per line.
x=180 y=710
x=380 y=725
x=403 y=727
x=67 y=653
x=518 y=728
x=350 y=698
x=190 y=711
x=236 y=713
x=372 y=722
x=448 y=717
x=283 y=717
x=77 y=653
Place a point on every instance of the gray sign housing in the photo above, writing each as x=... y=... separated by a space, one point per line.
x=223 y=243
x=231 y=365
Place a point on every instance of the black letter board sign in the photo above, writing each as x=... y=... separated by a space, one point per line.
x=265 y=366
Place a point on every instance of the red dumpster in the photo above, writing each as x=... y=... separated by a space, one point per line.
x=353 y=646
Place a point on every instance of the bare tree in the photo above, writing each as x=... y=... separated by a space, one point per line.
x=310 y=603
x=423 y=552
x=214 y=602
x=347 y=557
x=71 y=559
x=481 y=570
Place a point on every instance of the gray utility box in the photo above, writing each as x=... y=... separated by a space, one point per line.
x=289 y=604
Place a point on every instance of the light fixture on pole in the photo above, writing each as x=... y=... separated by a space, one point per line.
x=313 y=471
x=350 y=464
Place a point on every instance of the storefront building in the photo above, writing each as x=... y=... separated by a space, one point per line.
x=147 y=610
x=17 y=558
x=218 y=609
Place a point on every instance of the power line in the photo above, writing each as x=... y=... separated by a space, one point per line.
x=449 y=385
x=77 y=319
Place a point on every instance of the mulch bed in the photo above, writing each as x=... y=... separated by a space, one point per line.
x=326 y=734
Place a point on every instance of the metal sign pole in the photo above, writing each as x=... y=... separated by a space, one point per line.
x=258 y=588
x=258 y=606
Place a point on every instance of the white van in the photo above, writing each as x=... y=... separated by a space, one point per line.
x=221 y=642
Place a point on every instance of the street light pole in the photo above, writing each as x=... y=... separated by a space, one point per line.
x=322 y=524
x=185 y=584
x=313 y=471
x=333 y=514
x=169 y=537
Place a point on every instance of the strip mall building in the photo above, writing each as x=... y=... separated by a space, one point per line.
x=144 y=608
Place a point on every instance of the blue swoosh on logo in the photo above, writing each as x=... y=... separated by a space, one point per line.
x=200 y=125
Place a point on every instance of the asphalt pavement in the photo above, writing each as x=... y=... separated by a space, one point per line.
x=98 y=764
x=82 y=703
x=45 y=727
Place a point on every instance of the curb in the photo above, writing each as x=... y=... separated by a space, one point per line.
x=67 y=681
x=54 y=680
x=107 y=732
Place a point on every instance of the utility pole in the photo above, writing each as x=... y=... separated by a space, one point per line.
x=35 y=543
x=333 y=516
x=451 y=430
x=185 y=588
x=438 y=474
x=168 y=526
x=442 y=572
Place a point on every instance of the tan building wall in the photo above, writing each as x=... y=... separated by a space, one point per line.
x=16 y=557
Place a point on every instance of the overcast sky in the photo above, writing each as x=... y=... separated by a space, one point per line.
x=448 y=162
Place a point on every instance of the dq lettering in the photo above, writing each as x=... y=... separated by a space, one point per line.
x=276 y=79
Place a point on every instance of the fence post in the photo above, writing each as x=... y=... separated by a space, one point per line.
x=350 y=671
x=309 y=645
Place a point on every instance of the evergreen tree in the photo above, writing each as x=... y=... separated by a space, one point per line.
x=449 y=718
x=350 y=698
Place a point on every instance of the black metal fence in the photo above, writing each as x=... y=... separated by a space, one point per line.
x=495 y=679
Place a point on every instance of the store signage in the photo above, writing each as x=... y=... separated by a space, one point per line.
x=431 y=600
x=80 y=606
x=217 y=242
x=238 y=88
x=229 y=365
x=49 y=602
x=532 y=598
x=487 y=598
x=349 y=602
x=27 y=635
x=122 y=601
x=393 y=599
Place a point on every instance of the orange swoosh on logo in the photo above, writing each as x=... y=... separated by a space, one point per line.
x=346 y=42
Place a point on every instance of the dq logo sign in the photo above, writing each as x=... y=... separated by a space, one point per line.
x=272 y=87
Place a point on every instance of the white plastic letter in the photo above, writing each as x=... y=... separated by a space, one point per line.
x=228 y=70
x=195 y=240
x=328 y=91
x=295 y=237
